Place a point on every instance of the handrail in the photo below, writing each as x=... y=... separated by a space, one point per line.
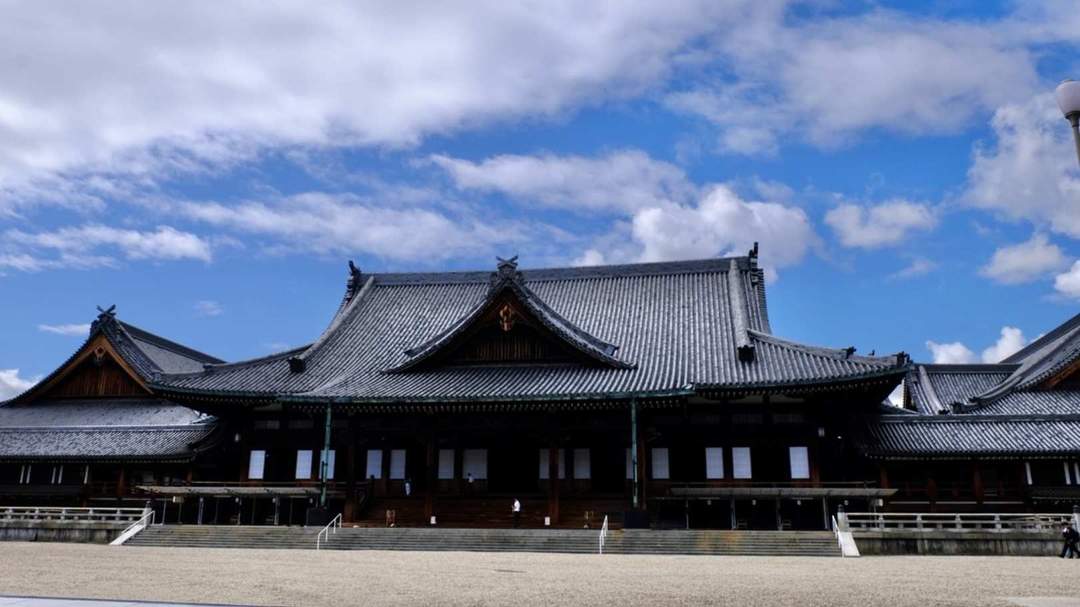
x=333 y=525
x=134 y=528
x=955 y=522
x=603 y=534
x=70 y=515
x=844 y=538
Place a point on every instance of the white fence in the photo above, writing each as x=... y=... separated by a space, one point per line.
x=958 y=522
x=119 y=516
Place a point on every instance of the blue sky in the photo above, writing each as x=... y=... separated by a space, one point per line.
x=210 y=168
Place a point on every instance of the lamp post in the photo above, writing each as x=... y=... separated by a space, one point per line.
x=1068 y=98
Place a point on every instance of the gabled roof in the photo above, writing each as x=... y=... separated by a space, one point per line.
x=146 y=355
x=680 y=324
x=507 y=279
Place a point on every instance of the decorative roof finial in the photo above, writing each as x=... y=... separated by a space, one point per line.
x=506 y=270
x=355 y=282
x=105 y=315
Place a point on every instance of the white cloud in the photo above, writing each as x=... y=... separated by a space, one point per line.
x=827 y=79
x=919 y=266
x=1031 y=171
x=69 y=329
x=625 y=180
x=208 y=307
x=1010 y=342
x=881 y=225
x=345 y=223
x=663 y=215
x=950 y=353
x=78 y=245
x=135 y=89
x=1025 y=262
x=1068 y=283
x=724 y=223
x=11 y=384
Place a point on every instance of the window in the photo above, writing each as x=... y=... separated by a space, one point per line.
x=256 y=464
x=800 y=462
x=331 y=461
x=24 y=474
x=1027 y=473
x=301 y=424
x=740 y=462
x=58 y=475
x=267 y=424
x=582 y=464
x=374 y=464
x=714 y=462
x=629 y=465
x=1068 y=477
x=303 y=464
x=397 y=464
x=474 y=462
x=545 y=473
x=660 y=469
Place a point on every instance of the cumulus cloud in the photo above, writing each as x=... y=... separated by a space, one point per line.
x=661 y=214
x=724 y=223
x=12 y=384
x=625 y=180
x=68 y=329
x=1030 y=173
x=1068 y=283
x=950 y=353
x=1010 y=341
x=1025 y=262
x=106 y=88
x=93 y=244
x=829 y=79
x=885 y=224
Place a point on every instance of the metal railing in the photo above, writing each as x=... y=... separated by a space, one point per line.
x=331 y=527
x=134 y=528
x=956 y=522
x=603 y=534
x=71 y=515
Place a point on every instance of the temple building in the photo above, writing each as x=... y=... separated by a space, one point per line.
x=655 y=394
x=988 y=437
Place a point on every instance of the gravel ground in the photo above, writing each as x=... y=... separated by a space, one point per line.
x=302 y=577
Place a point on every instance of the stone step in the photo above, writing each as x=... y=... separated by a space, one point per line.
x=582 y=541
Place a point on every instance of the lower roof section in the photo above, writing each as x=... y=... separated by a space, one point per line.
x=958 y=436
x=146 y=443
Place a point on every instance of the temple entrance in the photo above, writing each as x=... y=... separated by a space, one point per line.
x=609 y=469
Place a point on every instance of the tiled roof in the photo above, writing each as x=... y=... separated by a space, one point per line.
x=901 y=436
x=129 y=429
x=174 y=443
x=97 y=413
x=678 y=323
x=934 y=388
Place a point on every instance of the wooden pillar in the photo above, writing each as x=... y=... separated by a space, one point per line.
x=121 y=483
x=553 y=482
x=643 y=478
x=977 y=483
x=431 y=480
x=931 y=492
x=349 y=515
x=883 y=476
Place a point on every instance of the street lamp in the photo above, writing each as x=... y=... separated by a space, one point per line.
x=1068 y=98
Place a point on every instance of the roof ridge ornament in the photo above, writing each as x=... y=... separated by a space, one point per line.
x=506 y=270
x=355 y=281
x=105 y=315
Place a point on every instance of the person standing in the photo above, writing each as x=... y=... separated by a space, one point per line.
x=516 y=509
x=1070 y=537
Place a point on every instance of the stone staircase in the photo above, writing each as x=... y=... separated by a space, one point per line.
x=580 y=541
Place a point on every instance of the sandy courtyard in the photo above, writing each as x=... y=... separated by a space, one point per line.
x=288 y=577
